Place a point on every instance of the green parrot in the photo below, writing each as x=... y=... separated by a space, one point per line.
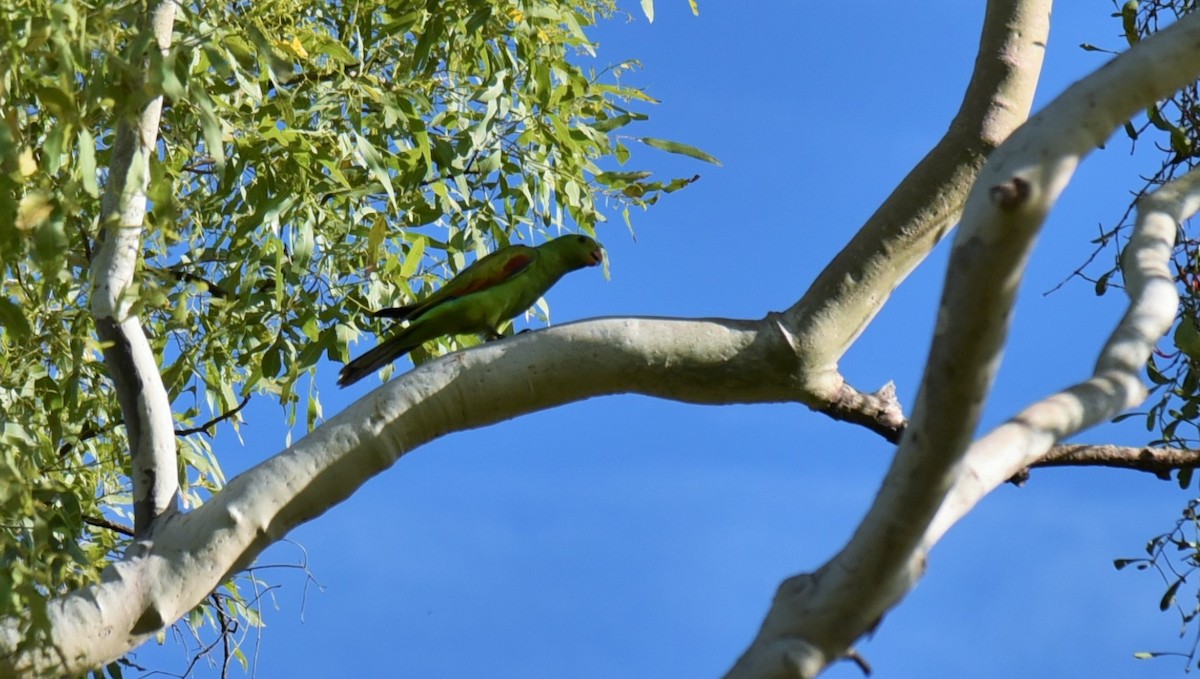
x=494 y=289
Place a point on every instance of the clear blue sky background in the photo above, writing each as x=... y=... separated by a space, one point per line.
x=629 y=537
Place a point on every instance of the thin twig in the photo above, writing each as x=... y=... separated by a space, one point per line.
x=101 y=522
x=216 y=420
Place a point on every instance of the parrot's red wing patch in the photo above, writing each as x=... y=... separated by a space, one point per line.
x=494 y=275
x=486 y=272
x=516 y=264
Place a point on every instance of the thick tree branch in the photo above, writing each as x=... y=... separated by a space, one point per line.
x=128 y=356
x=710 y=361
x=698 y=361
x=704 y=361
x=815 y=618
x=1026 y=439
x=852 y=289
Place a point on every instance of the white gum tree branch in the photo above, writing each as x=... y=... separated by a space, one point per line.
x=936 y=475
x=710 y=361
x=159 y=580
x=1116 y=383
x=924 y=206
x=145 y=406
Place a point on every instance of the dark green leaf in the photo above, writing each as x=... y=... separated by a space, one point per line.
x=1187 y=338
x=1154 y=374
x=12 y=320
x=1168 y=597
x=431 y=34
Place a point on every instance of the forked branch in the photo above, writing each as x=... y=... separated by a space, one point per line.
x=937 y=475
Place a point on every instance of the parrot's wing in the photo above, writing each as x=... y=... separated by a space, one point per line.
x=487 y=271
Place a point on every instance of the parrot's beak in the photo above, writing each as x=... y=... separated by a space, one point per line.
x=596 y=257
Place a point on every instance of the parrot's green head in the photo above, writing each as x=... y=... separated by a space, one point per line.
x=577 y=250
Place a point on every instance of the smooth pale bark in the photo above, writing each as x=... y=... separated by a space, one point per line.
x=789 y=357
x=936 y=475
x=1116 y=383
x=924 y=206
x=702 y=361
x=131 y=363
x=709 y=361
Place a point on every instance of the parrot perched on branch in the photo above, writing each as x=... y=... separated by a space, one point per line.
x=494 y=289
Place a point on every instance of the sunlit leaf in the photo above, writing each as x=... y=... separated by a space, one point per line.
x=676 y=147
x=412 y=259
x=87 y=162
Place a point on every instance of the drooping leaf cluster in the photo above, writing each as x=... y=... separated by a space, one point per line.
x=314 y=161
x=1175 y=557
x=1173 y=414
x=1173 y=127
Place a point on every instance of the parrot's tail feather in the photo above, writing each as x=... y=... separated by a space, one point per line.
x=397 y=312
x=374 y=359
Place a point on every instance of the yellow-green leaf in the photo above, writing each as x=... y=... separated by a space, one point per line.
x=681 y=149
x=413 y=259
x=1187 y=338
x=648 y=8
x=87 y=162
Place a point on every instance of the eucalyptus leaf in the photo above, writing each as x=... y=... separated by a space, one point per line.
x=682 y=149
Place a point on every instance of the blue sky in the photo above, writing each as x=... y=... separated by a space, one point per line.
x=629 y=537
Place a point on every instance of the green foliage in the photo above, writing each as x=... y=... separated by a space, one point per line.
x=1173 y=417
x=60 y=446
x=1173 y=116
x=1174 y=414
x=1175 y=557
x=315 y=161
